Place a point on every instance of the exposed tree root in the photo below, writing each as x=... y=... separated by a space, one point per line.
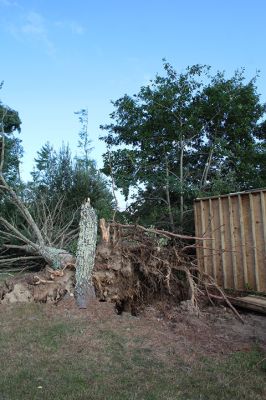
x=134 y=267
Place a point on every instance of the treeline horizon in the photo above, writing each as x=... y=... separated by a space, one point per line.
x=183 y=135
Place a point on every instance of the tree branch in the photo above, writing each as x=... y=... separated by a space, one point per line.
x=18 y=234
x=161 y=232
x=23 y=209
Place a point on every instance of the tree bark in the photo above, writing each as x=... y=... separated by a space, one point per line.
x=171 y=219
x=206 y=169
x=84 y=290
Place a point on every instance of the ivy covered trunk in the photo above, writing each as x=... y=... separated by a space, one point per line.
x=84 y=290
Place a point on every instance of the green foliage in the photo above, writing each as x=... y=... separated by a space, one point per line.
x=11 y=152
x=84 y=141
x=185 y=135
x=58 y=178
x=9 y=126
x=60 y=183
x=57 y=174
x=53 y=170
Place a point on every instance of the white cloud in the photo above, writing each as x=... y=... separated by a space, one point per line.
x=34 y=26
x=77 y=28
x=6 y=2
x=9 y=3
x=72 y=26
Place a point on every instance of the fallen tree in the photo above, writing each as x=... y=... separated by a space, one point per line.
x=134 y=265
x=27 y=237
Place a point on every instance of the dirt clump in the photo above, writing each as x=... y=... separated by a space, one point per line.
x=43 y=286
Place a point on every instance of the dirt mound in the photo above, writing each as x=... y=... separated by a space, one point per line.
x=38 y=287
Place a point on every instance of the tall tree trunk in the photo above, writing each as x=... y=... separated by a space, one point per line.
x=84 y=290
x=206 y=169
x=171 y=219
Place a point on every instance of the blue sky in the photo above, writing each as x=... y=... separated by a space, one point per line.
x=58 y=56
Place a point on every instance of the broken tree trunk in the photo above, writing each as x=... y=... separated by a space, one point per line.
x=84 y=290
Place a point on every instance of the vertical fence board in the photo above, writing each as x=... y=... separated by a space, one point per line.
x=222 y=225
x=259 y=233
x=198 y=231
x=203 y=226
x=263 y=218
x=227 y=243
x=216 y=234
x=232 y=241
x=242 y=241
x=248 y=242
x=213 y=242
x=254 y=241
x=237 y=242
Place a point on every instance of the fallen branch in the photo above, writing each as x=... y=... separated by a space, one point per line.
x=160 y=232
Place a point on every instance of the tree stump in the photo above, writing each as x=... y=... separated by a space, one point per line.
x=84 y=290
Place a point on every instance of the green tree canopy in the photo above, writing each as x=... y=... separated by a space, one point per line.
x=183 y=135
x=10 y=124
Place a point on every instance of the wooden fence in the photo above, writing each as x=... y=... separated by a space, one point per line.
x=236 y=254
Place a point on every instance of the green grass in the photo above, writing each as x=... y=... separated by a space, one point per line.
x=59 y=357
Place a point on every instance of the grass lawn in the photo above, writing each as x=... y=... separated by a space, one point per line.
x=50 y=352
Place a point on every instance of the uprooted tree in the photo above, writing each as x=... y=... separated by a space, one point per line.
x=134 y=265
x=25 y=236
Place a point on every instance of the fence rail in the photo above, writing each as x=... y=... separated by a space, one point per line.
x=236 y=254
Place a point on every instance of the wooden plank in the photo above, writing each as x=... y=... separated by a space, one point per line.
x=198 y=232
x=221 y=196
x=263 y=216
x=254 y=243
x=221 y=220
x=213 y=242
x=254 y=303
x=261 y=261
x=203 y=227
x=217 y=236
x=255 y=299
x=243 y=240
x=251 y=284
x=227 y=244
x=263 y=219
x=238 y=243
x=232 y=242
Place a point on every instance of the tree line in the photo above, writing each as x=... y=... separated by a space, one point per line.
x=183 y=135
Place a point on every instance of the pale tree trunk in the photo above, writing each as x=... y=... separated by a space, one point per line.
x=84 y=290
x=171 y=219
x=206 y=169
